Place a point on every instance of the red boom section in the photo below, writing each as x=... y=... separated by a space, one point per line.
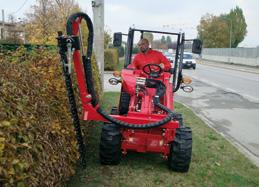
x=88 y=109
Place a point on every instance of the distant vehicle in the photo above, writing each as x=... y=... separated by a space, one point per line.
x=169 y=56
x=189 y=61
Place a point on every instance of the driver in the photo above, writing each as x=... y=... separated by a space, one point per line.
x=149 y=56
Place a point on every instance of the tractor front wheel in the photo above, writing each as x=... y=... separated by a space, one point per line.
x=110 y=144
x=181 y=150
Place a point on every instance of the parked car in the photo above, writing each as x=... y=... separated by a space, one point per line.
x=169 y=56
x=189 y=61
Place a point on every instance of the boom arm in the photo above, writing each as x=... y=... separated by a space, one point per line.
x=72 y=44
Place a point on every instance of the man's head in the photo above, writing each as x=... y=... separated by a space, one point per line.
x=143 y=45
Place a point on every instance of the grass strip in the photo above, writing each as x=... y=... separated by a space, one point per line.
x=215 y=162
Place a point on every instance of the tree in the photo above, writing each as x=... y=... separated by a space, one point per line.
x=163 y=40
x=236 y=24
x=48 y=17
x=149 y=36
x=213 y=32
x=121 y=51
x=107 y=39
x=168 y=40
x=65 y=8
x=156 y=44
x=226 y=30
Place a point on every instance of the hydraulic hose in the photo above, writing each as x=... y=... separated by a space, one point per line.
x=160 y=91
x=86 y=59
x=165 y=120
x=89 y=80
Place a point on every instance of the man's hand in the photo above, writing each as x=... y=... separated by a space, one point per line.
x=116 y=73
x=162 y=65
x=186 y=80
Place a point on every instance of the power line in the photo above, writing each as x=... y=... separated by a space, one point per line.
x=20 y=7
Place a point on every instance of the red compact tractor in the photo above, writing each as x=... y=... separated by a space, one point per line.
x=145 y=119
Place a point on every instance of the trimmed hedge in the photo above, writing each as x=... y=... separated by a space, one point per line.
x=37 y=139
x=13 y=47
x=111 y=59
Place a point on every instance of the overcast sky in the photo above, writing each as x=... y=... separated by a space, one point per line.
x=170 y=15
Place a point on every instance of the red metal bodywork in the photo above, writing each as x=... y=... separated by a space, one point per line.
x=149 y=140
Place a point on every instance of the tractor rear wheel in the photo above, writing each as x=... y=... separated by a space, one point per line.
x=124 y=103
x=181 y=150
x=110 y=144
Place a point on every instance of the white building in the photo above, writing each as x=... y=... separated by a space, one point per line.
x=11 y=30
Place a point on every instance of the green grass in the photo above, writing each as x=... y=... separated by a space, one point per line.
x=215 y=162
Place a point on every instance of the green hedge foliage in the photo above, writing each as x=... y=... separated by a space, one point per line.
x=111 y=59
x=4 y=47
x=37 y=138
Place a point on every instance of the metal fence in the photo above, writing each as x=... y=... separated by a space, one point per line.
x=232 y=52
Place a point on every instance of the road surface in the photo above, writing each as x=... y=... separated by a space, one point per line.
x=228 y=101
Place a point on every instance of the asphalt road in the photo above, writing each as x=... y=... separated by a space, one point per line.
x=227 y=100
x=244 y=83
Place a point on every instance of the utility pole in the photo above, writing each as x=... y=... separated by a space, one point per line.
x=98 y=17
x=3 y=22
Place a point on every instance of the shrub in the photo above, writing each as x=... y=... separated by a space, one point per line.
x=121 y=51
x=37 y=139
x=111 y=59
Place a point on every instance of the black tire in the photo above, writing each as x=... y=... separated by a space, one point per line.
x=181 y=150
x=114 y=110
x=110 y=144
x=194 y=67
x=124 y=103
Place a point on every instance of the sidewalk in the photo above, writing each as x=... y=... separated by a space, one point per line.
x=244 y=68
x=107 y=87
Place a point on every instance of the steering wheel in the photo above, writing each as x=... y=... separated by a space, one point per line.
x=153 y=70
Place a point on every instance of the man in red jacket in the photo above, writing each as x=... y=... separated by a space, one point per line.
x=149 y=56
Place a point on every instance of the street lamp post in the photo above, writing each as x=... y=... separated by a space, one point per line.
x=230 y=34
x=230 y=30
x=229 y=21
